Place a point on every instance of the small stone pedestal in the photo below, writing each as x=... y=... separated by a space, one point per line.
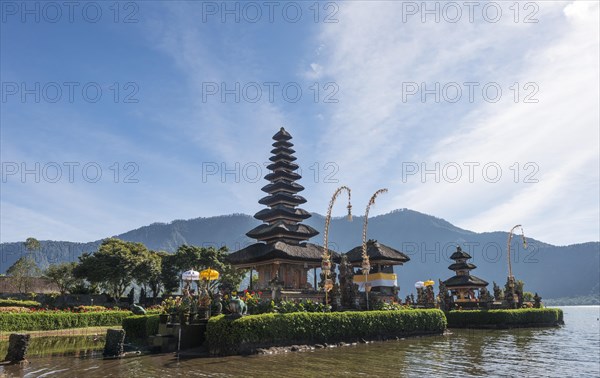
x=17 y=348
x=114 y=343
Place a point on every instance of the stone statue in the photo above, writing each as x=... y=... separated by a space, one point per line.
x=537 y=301
x=509 y=294
x=275 y=284
x=498 y=294
x=138 y=310
x=18 y=343
x=429 y=296
x=519 y=293
x=218 y=303
x=237 y=307
x=445 y=299
x=485 y=298
x=420 y=296
x=348 y=288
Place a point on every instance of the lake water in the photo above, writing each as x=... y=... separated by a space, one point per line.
x=572 y=350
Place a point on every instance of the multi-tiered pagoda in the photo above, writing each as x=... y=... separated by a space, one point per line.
x=463 y=286
x=281 y=253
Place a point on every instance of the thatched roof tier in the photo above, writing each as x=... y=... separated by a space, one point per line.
x=283 y=151
x=282 y=198
x=284 y=231
x=280 y=156
x=283 y=186
x=460 y=254
x=462 y=266
x=260 y=252
x=378 y=253
x=282 y=143
x=282 y=212
x=282 y=164
x=282 y=134
x=464 y=280
x=282 y=175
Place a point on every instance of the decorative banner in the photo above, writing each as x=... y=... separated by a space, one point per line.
x=209 y=274
x=376 y=279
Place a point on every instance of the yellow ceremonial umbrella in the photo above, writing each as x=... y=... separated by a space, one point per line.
x=209 y=274
x=429 y=283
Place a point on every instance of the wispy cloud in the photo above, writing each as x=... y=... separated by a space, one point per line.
x=373 y=130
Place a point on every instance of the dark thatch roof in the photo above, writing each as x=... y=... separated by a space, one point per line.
x=464 y=280
x=281 y=197
x=460 y=254
x=260 y=252
x=282 y=185
x=462 y=266
x=283 y=211
x=282 y=135
x=377 y=252
x=296 y=231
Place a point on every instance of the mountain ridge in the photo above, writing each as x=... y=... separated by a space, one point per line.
x=426 y=239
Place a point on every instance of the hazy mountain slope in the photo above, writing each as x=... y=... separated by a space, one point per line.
x=551 y=270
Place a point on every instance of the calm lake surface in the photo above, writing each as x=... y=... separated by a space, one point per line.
x=569 y=351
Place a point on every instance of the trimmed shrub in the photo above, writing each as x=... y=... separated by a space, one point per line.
x=18 y=303
x=242 y=335
x=89 y=308
x=139 y=327
x=45 y=321
x=505 y=318
x=15 y=309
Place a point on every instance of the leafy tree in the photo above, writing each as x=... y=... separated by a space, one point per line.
x=62 y=275
x=32 y=244
x=23 y=271
x=148 y=273
x=200 y=258
x=528 y=296
x=113 y=267
x=169 y=273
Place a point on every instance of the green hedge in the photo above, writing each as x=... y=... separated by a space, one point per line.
x=18 y=303
x=242 y=335
x=505 y=318
x=139 y=327
x=44 y=321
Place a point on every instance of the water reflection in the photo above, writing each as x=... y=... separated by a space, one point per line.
x=78 y=346
x=572 y=350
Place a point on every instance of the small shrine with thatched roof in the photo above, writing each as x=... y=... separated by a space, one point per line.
x=463 y=286
x=381 y=277
x=281 y=255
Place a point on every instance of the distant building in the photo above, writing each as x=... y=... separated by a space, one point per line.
x=281 y=253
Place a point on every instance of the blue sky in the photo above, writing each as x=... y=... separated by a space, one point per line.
x=379 y=107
